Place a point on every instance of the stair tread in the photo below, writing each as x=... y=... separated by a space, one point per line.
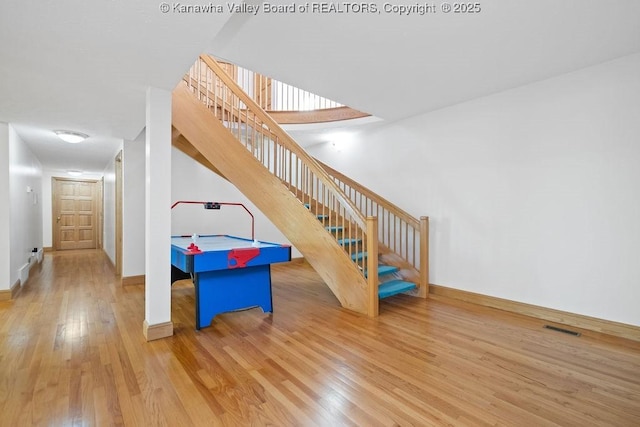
x=319 y=216
x=384 y=269
x=394 y=287
x=357 y=256
x=334 y=228
x=346 y=241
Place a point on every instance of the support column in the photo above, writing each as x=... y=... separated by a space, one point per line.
x=157 y=305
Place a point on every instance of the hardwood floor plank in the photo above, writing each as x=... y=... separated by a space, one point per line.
x=314 y=410
x=291 y=408
x=200 y=411
x=72 y=353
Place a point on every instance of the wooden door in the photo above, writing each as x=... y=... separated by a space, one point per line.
x=74 y=214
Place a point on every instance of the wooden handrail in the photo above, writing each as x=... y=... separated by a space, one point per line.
x=286 y=140
x=351 y=211
x=398 y=231
x=214 y=140
x=261 y=135
x=400 y=213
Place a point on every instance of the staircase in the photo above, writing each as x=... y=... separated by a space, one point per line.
x=389 y=279
x=220 y=126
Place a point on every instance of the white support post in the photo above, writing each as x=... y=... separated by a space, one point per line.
x=157 y=306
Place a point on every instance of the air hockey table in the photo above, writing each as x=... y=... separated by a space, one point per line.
x=229 y=273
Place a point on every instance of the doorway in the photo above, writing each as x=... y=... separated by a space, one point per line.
x=75 y=214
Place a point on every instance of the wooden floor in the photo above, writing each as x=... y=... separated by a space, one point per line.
x=72 y=353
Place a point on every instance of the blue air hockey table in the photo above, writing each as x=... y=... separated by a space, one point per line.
x=229 y=273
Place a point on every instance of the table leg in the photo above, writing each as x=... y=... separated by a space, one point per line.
x=234 y=289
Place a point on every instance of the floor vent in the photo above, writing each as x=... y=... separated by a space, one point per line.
x=565 y=331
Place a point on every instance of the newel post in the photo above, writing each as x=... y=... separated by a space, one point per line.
x=424 y=256
x=372 y=265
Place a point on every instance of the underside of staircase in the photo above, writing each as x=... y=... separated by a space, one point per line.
x=323 y=235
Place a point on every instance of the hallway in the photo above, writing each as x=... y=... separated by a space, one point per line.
x=72 y=353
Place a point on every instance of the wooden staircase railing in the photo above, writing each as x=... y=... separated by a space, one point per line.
x=403 y=239
x=290 y=163
x=288 y=104
x=273 y=95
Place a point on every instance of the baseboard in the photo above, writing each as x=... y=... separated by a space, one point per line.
x=156 y=332
x=133 y=280
x=608 y=327
x=48 y=249
x=11 y=293
x=32 y=264
x=299 y=260
x=111 y=264
x=15 y=289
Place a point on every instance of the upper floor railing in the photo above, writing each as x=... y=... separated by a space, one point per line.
x=274 y=95
x=287 y=104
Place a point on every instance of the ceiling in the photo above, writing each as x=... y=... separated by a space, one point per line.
x=85 y=66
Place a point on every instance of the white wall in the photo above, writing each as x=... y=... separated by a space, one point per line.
x=109 y=206
x=192 y=181
x=533 y=193
x=5 y=214
x=25 y=183
x=133 y=207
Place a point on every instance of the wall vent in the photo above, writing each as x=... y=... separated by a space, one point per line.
x=23 y=274
x=564 y=331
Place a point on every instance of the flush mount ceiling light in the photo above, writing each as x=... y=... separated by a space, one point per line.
x=70 y=136
x=74 y=173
